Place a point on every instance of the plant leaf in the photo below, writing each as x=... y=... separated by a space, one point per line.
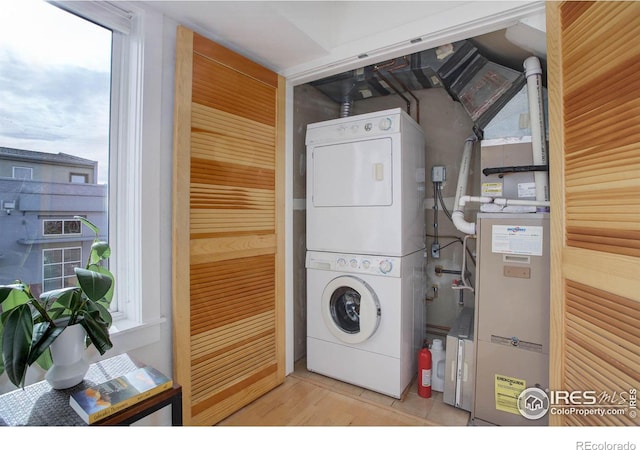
x=94 y=284
x=13 y=295
x=69 y=298
x=44 y=334
x=106 y=300
x=16 y=342
x=100 y=250
x=45 y=361
x=97 y=330
x=88 y=223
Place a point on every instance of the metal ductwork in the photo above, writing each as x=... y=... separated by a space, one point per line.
x=483 y=87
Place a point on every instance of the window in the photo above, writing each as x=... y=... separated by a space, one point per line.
x=22 y=173
x=134 y=177
x=58 y=265
x=61 y=227
x=78 y=178
x=55 y=72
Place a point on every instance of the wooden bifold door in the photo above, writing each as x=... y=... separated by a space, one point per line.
x=594 y=126
x=228 y=229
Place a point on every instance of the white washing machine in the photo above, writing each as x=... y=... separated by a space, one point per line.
x=365 y=184
x=365 y=318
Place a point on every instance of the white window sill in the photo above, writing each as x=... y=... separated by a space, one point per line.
x=127 y=335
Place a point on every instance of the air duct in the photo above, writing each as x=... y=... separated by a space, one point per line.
x=345 y=108
x=480 y=85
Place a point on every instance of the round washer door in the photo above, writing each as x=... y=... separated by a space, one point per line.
x=350 y=309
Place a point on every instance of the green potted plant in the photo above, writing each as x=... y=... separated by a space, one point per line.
x=29 y=326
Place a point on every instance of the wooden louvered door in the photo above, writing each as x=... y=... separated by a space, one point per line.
x=228 y=229
x=594 y=118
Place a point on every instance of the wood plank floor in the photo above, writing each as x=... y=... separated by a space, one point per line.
x=309 y=399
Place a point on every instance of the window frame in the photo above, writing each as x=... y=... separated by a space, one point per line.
x=13 y=172
x=84 y=176
x=134 y=166
x=62 y=233
x=61 y=263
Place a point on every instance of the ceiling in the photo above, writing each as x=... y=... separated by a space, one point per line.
x=295 y=37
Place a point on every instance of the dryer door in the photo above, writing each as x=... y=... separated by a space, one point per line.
x=353 y=174
x=350 y=309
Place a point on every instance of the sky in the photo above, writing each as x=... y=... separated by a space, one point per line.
x=54 y=82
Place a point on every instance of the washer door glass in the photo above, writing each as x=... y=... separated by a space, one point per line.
x=350 y=309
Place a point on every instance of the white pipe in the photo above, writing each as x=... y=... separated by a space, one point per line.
x=467 y=198
x=533 y=72
x=508 y=201
x=457 y=216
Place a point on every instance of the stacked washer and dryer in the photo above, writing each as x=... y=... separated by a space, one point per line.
x=366 y=249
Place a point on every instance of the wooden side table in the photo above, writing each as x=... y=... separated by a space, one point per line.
x=41 y=405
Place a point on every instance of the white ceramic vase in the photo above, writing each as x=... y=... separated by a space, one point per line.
x=69 y=364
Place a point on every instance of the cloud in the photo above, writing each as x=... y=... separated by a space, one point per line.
x=54 y=82
x=54 y=108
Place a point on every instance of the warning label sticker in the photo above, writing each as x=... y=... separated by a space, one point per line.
x=507 y=390
x=517 y=239
x=492 y=189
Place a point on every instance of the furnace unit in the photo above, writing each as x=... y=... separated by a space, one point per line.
x=512 y=315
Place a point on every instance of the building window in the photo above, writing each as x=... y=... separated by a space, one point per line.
x=22 y=173
x=61 y=227
x=58 y=265
x=56 y=90
x=81 y=178
x=136 y=168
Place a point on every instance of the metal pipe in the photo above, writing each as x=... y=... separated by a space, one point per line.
x=386 y=80
x=345 y=108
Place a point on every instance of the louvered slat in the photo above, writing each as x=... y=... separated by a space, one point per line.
x=602 y=131
x=228 y=181
x=594 y=117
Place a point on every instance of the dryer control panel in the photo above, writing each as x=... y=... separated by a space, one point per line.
x=381 y=123
x=349 y=263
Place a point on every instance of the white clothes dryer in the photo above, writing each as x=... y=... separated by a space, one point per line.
x=365 y=318
x=366 y=184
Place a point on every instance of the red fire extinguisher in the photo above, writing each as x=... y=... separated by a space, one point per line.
x=424 y=373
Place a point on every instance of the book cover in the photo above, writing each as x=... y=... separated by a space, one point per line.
x=97 y=402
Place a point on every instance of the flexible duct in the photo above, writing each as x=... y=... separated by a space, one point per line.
x=533 y=72
x=345 y=108
x=457 y=215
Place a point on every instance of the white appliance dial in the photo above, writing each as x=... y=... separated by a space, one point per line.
x=342 y=262
x=385 y=266
x=385 y=124
x=366 y=264
x=354 y=263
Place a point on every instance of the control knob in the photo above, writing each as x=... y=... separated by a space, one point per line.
x=385 y=124
x=385 y=266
